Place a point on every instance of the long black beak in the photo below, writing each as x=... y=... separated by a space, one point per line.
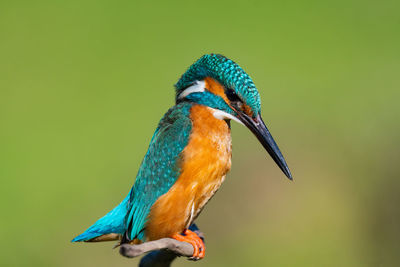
x=257 y=126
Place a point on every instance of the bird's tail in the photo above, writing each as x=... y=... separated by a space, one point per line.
x=108 y=227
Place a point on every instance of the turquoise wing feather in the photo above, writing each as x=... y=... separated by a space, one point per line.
x=160 y=167
x=157 y=173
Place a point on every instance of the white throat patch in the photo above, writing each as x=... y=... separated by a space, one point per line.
x=222 y=115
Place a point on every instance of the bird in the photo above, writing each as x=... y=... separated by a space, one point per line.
x=188 y=157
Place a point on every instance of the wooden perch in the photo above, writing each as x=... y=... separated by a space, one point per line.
x=162 y=251
x=180 y=248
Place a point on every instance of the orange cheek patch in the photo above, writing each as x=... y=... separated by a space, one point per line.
x=216 y=88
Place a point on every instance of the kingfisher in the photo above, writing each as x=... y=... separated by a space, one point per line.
x=188 y=157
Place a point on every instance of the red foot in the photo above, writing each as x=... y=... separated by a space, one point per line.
x=193 y=239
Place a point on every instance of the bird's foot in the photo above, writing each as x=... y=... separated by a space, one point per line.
x=193 y=239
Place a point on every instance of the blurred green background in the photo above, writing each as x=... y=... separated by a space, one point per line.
x=83 y=85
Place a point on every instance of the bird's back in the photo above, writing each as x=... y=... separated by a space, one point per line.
x=158 y=172
x=160 y=167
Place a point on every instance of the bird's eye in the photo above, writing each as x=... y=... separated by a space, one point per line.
x=232 y=96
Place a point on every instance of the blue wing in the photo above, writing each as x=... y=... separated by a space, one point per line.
x=157 y=173
x=160 y=167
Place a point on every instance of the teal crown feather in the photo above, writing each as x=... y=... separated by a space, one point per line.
x=226 y=72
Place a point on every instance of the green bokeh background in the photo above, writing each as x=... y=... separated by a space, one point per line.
x=83 y=85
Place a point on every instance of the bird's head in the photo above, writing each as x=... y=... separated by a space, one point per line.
x=221 y=84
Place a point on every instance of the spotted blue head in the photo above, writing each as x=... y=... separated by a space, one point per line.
x=221 y=84
x=227 y=73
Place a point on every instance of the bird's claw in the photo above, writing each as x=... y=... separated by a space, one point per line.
x=193 y=239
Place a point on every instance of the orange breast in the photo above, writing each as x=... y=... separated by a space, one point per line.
x=205 y=162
